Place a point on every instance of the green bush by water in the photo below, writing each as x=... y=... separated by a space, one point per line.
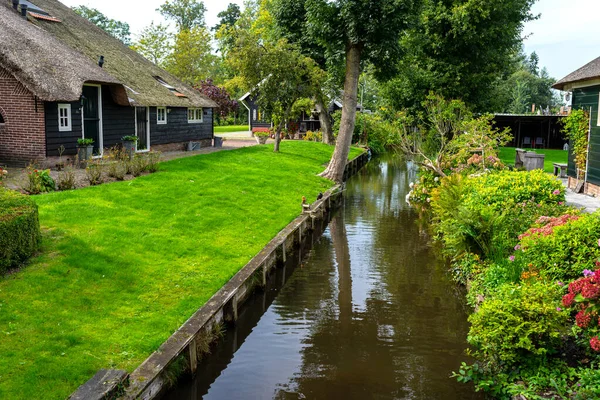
x=19 y=229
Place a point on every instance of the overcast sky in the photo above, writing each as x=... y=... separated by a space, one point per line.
x=566 y=36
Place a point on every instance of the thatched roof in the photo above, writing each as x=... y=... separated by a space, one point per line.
x=88 y=42
x=588 y=72
x=48 y=68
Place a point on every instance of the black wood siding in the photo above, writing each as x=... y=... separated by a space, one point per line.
x=178 y=129
x=264 y=122
x=117 y=121
x=584 y=98
x=54 y=138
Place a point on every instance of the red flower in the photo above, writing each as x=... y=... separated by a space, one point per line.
x=582 y=319
x=576 y=286
x=590 y=291
x=595 y=343
x=568 y=299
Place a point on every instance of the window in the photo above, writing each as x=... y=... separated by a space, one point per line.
x=161 y=115
x=64 y=118
x=194 y=115
x=1 y=119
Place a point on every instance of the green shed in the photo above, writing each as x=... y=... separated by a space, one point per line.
x=584 y=85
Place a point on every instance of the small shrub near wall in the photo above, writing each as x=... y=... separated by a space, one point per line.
x=19 y=229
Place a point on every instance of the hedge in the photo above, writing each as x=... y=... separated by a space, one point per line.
x=19 y=229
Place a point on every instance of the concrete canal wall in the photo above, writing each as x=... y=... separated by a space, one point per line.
x=182 y=351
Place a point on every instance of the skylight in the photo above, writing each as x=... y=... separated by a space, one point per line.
x=171 y=88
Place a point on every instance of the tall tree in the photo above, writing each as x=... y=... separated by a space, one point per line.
x=366 y=31
x=291 y=22
x=154 y=43
x=192 y=60
x=228 y=17
x=187 y=14
x=277 y=72
x=115 y=28
x=225 y=104
x=459 y=49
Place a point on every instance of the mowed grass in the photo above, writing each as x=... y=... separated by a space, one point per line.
x=123 y=265
x=507 y=155
x=231 y=128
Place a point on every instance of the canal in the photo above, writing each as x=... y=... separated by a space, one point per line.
x=368 y=312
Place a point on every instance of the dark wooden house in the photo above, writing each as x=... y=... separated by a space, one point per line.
x=584 y=85
x=306 y=121
x=62 y=78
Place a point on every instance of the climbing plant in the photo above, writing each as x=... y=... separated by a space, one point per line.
x=576 y=127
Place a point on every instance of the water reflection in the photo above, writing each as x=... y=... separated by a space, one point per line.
x=369 y=314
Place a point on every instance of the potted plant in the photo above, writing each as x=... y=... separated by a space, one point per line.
x=261 y=137
x=129 y=142
x=85 y=148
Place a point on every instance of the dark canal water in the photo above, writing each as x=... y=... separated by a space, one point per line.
x=368 y=313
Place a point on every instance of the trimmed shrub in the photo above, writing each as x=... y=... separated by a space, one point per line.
x=19 y=229
x=521 y=322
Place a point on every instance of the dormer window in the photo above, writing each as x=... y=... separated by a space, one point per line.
x=171 y=88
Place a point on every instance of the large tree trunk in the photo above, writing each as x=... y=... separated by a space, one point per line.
x=325 y=120
x=335 y=169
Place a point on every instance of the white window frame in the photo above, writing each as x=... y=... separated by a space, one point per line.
x=69 y=123
x=164 y=113
x=195 y=113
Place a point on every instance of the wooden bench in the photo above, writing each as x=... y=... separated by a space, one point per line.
x=560 y=167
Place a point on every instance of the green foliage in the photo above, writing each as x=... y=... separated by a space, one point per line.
x=314 y=136
x=117 y=29
x=228 y=17
x=154 y=43
x=373 y=130
x=565 y=253
x=187 y=14
x=85 y=142
x=191 y=59
x=66 y=178
x=39 y=180
x=19 y=229
x=576 y=128
x=520 y=323
x=459 y=49
x=93 y=171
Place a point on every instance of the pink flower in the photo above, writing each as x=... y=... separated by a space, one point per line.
x=511 y=258
x=595 y=343
x=556 y=192
x=517 y=247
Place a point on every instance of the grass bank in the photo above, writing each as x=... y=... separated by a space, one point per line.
x=507 y=155
x=231 y=128
x=123 y=265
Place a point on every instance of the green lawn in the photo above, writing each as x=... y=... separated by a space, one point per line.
x=507 y=155
x=123 y=265
x=231 y=128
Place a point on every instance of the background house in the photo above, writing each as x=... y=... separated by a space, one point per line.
x=62 y=78
x=584 y=84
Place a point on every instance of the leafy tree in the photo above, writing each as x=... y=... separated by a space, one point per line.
x=154 y=43
x=459 y=49
x=365 y=31
x=117 y=29
x=219 y=95
x=187 y=14
x=277 y=69
x=192 y=60
x=228 y=17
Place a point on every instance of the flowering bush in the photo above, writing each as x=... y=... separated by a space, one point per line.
x=584 y=295
x=261 y=132
x=561 y=247
x=314 y=136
